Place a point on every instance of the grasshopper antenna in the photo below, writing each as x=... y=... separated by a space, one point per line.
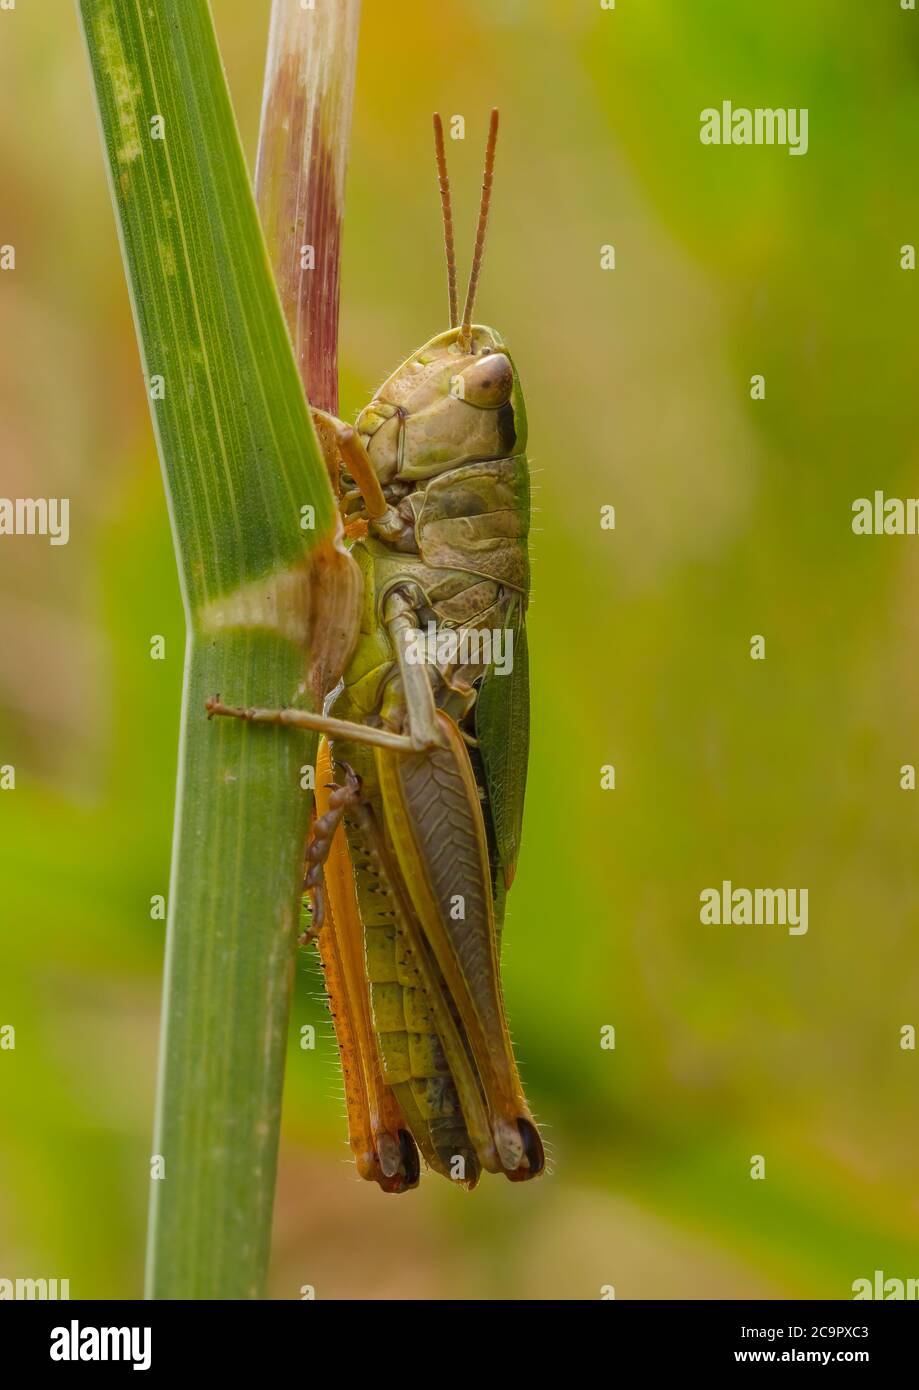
x=464 y=340
x=444 y=180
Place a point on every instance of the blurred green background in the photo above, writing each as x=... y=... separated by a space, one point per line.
x=733 y=518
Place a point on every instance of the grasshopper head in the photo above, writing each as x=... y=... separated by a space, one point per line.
x=456 y=400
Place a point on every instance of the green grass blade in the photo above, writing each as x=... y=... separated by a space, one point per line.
x=233 y=427
x=240 y=461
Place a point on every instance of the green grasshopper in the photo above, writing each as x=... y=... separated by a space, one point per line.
x=414 y=846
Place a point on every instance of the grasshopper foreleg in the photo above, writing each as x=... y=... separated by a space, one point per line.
x=386 y=521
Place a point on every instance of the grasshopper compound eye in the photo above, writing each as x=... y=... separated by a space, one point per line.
x=487 y=383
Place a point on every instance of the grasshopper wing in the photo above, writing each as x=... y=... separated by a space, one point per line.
x=434 y=822
x=502 y=728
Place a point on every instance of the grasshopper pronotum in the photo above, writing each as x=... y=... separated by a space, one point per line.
x=415 y=845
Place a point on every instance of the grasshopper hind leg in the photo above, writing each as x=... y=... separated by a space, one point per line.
x=379 y=1132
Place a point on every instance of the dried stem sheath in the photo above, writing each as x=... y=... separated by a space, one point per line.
x=300 y=175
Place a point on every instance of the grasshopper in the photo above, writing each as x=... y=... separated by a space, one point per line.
x=422 y=766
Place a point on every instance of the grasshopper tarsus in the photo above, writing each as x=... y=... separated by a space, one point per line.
x=533 y=1150
x=411 y=1161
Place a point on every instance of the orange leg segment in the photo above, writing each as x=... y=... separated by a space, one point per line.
x=380 y=1140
